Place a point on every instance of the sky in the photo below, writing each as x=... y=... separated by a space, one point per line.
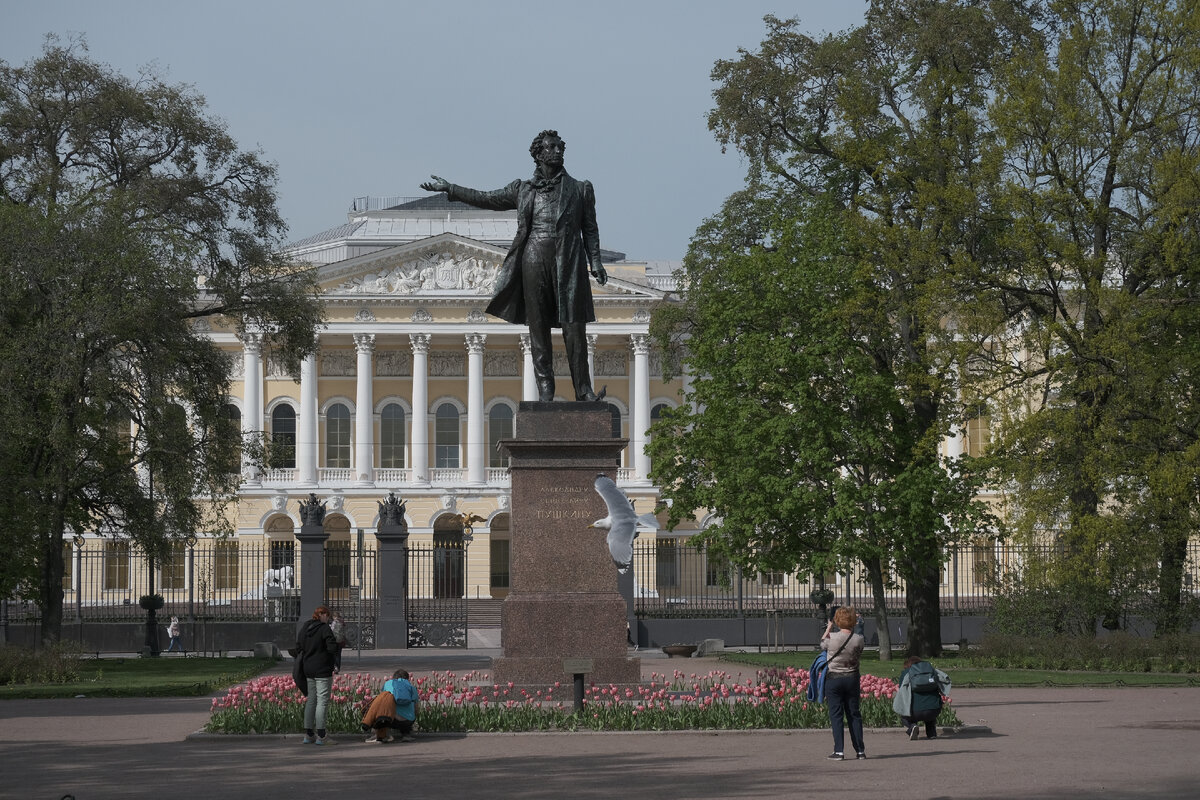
x=371 y=97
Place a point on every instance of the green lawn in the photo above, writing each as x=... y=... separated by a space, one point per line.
x=967 y=676
x=146 y=677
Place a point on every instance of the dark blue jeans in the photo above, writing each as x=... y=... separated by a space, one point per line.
x=929 y=717
x=841 y=692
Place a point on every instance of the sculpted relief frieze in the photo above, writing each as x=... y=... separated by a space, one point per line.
x=447 y=364
x=611 y=363
x=393 y=364
x=434 y=270
x=337 y=363
x=501 y=365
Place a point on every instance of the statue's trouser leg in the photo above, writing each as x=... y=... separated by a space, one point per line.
x=541 y=309
x=575 y=337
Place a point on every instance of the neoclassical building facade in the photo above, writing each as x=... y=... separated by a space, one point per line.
x=413 y=384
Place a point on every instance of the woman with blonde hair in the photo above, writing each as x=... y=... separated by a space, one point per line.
x=317 y=646
x=842 y=682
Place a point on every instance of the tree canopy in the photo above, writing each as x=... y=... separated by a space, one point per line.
x=1093 y=281
x=876 y=129
x=127 y=215
x=1013 y=187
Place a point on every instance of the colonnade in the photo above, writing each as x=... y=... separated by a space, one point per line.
x=363 y=445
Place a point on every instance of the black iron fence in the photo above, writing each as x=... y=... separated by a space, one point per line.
x=215 y=580
x=437 y=598
x=674 y=579
x=260 y=582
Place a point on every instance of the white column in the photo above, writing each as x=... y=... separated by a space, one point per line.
x=639 y=398
x=528 y=384
x=685 y=376
x=954 y=443
x=476 y=446
x=306 y=434
x=419 y=440
x=252 y=394
x=364 y=412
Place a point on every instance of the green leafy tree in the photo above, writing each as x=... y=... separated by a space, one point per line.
x=1097 y=123
x=802 y=445
x=127 y=214
x=886 y=122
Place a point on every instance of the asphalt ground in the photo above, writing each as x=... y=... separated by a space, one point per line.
x=1020 y=743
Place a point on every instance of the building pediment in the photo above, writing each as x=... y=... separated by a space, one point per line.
x=447 y=266
x=442 y=265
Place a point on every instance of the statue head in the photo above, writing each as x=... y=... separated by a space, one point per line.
x=547 y=148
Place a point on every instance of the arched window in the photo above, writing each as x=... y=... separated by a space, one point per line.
x=500 y=426
x=656 y=412
x=391 y=436
x=283 y=437
x=616 y=420
x=616 y=427
x=337 y=437
x=446 y=437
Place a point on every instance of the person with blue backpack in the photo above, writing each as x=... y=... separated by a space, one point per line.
x=919 y=697
x=838 y=682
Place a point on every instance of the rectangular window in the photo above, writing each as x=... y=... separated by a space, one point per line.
x=500 y=563
x=337 y=565
x=283 y=554
x=116 y=565
x=983 y=563
x=337 y=438
x=391 y=437
x=500 y=426
x=666 y=556
x=717 y=572
x=68 y=567
x=174 y=567
x=225 y=565
x=771 y=578
x=978 y=435
x=446 y=437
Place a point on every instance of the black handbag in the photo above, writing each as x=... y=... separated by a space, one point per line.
x=298 y=672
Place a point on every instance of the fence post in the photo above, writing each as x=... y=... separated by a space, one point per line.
x=79 y=587
x=191 y=581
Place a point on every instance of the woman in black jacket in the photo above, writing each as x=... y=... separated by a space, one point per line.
x=317 y=646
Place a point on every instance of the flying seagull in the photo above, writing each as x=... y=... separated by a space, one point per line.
x=621 y=522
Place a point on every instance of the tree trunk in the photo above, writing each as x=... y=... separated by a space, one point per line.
x=1168 y=618
x=50 y=589
x=879 y=606
x=924 y=606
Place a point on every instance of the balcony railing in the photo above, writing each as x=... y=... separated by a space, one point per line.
x=447 y=475
x=391 y=476
x=279 y=476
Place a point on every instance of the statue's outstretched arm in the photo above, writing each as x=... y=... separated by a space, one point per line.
x=436 y=185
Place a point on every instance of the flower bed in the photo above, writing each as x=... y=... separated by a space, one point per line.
x=775 y=698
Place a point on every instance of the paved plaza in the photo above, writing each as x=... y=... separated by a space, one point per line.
x=1023 y=743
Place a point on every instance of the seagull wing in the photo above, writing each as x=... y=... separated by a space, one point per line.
x=622 y=519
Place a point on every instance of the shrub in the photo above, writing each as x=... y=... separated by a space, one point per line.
x=58 y=663
x=1117 y=652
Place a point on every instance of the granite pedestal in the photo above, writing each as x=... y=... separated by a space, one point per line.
x=563 y=604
